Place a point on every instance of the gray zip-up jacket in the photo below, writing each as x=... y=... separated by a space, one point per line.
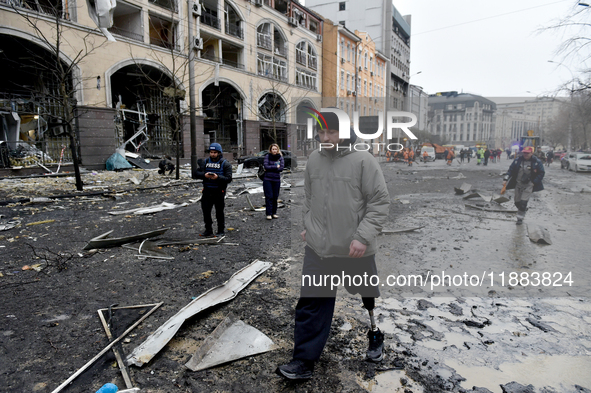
x=346 y=199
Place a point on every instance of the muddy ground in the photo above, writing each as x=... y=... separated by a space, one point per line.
x=50 y=327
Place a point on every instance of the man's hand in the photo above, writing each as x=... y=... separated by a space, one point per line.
x=357 y=249
x=211 y=175
x=303 y=235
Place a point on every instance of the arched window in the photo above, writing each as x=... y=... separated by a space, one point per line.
x=233 y=24
x=307 y=60
x=271 y=64
x=272 y=108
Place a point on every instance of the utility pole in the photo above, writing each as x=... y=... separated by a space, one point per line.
x=192 y=115
x=570 y=119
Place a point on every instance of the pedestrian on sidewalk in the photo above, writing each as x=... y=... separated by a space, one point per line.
x=342 y=219
x=274 y=165
x=525 y=176
x=216 y=173
x=486 y=156
x=462 y=155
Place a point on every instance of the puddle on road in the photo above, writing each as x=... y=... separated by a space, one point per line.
x=561 y=372
x=389 y=382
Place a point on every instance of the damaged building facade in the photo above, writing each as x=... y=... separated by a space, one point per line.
x=119 y=77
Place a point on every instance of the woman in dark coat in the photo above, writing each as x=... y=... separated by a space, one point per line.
x=274 y=165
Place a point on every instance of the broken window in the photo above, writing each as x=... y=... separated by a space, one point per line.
x=162 y=32
x=209 y=17
x=49 y=7
x=168 y=4
x=314 y=26
x=281 y=6
x=301 y=53
x=272 y=108
x=232 y=22
x=306 y=79
x=127 y=21
x=271 y=67
x=264 y=36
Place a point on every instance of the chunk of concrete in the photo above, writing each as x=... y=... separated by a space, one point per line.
x=464 y=188
x=539 y=235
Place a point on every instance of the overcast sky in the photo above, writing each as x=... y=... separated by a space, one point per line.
x=491 y=48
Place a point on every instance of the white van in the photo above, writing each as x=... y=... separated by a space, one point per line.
x=430 y=153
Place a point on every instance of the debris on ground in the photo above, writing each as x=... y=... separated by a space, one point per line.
x=232 y=339
x=101 y=241
x=105 y=350
x=150 y=209
x=539 y=235
x=220 y=294
x=464 y=188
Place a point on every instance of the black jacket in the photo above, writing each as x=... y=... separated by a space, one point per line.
x=224 y=178
x=537 y=168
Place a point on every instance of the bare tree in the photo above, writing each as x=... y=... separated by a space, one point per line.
x=270 y=106
x=56 y=98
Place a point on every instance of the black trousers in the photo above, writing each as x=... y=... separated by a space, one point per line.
x=315 y=309
x=213 y=197
x=271 y=189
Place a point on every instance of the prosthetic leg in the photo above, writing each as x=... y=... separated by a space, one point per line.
x=375 y=351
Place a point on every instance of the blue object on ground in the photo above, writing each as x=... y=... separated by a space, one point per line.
x=108 y=388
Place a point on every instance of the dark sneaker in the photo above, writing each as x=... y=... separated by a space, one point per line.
x=375 y=352
x=220 y=233
x=296 y=369
x=207 y=233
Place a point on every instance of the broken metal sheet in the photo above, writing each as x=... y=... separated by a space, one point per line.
x=299 y=183
x=231 y=340
x=254 y=209
x=105 y=350
x=464 y=188
x=485 y=198
x=539 y=235
x=141 y=163
x=239 y=169
x=150 y=209
x=9 y=225
x=285 y=184
x=490 y=209
x=101 y=241
x=206 y=240
x=500 y=199
x=472 y=195
x=148 y=249
x=222 y=293
x=392 y=231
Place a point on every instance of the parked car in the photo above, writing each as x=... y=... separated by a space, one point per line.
x=256 y=160
x=576 y=161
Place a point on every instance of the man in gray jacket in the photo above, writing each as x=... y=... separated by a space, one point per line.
x=345 y=207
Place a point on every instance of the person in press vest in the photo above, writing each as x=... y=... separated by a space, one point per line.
x=216 y=173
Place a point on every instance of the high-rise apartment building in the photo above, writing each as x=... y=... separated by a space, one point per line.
x=389 y=30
